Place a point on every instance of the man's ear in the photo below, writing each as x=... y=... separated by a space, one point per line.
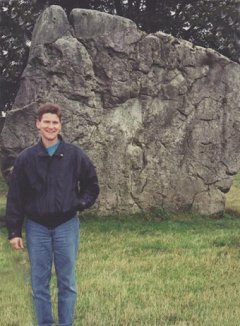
x=37 y=123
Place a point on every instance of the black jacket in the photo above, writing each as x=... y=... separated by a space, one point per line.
x=49 y=189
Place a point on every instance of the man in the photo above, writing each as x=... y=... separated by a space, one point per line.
x=50 y=182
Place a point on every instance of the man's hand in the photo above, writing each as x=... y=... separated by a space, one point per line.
x=17 y=243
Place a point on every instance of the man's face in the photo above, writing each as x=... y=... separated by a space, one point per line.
x=49 y=127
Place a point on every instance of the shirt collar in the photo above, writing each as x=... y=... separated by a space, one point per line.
x=42 y=151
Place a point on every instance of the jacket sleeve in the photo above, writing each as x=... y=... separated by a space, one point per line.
x=89 y=188
x=15 y=202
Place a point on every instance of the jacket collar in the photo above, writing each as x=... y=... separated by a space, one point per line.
x=42 y=151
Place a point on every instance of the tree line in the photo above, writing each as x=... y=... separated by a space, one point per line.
x=208 y=23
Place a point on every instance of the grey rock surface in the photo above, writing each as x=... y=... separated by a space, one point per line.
x=159 y=117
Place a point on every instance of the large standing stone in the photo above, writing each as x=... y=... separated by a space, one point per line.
x=159 y=117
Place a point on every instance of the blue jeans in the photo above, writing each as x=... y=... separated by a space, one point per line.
x=45 y=246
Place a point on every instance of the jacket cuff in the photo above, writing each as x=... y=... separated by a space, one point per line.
x=14 y=234
x=82 y=205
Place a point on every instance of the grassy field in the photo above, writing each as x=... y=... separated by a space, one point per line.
x=157 y=269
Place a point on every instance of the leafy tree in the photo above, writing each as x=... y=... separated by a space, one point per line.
x=17 y=19
x=208 y=23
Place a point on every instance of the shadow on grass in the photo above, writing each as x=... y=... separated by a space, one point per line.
x=233 y=212
x=156 y=220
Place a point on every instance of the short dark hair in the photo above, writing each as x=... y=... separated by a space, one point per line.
x=49 y=108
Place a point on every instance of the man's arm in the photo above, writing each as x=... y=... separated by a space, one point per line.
x=89 y=188
x=15 y=209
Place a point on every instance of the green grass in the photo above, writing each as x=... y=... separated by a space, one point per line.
x=132 y=271
x=154 y=269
